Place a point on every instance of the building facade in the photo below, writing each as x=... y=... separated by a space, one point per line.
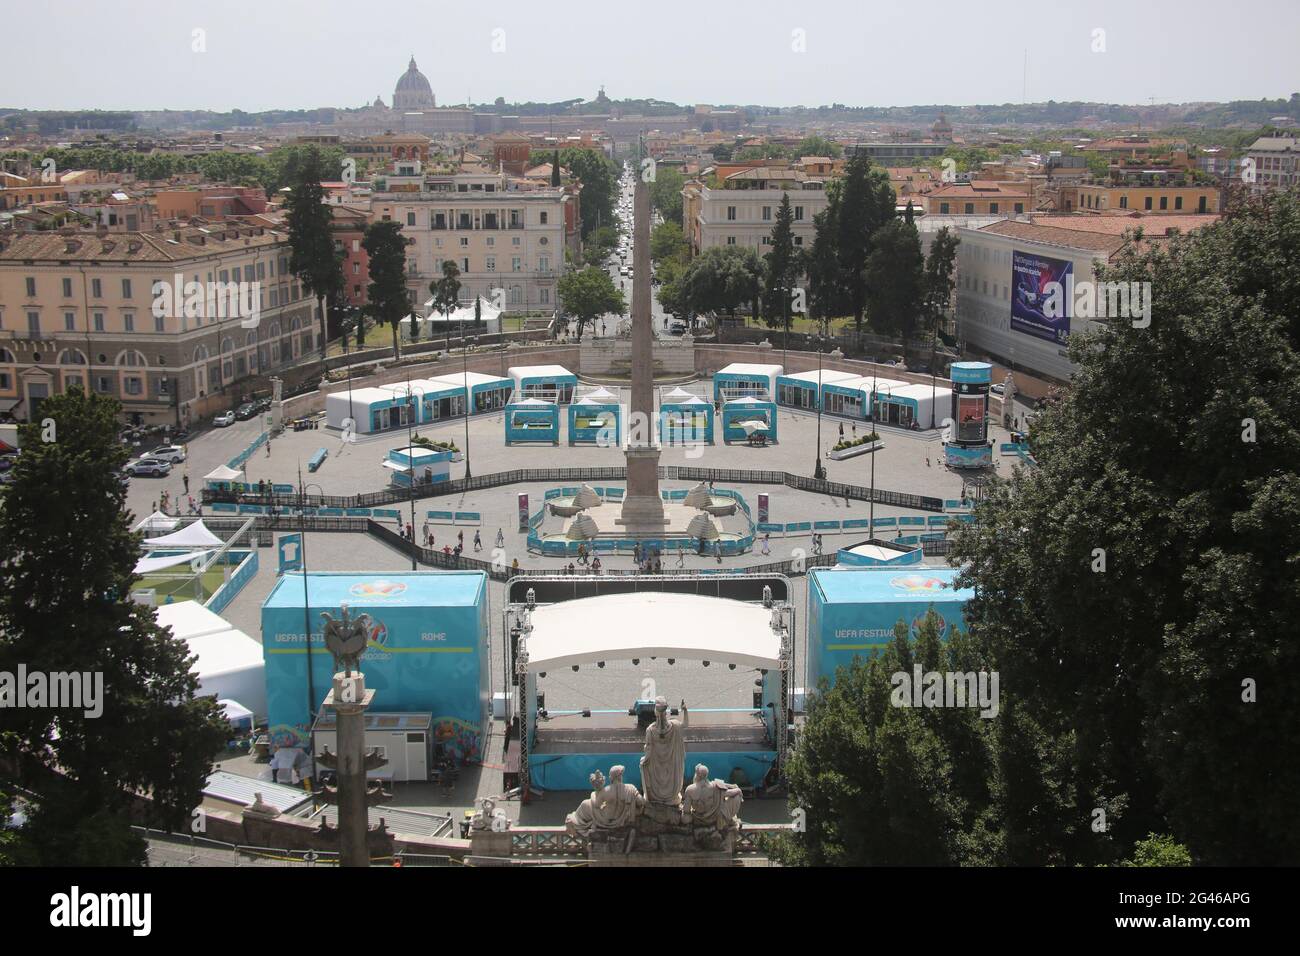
x=1275 y=161
x=79 y=308
x=743 y=212
x=499 y=238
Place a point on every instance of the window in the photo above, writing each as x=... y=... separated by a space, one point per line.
x=102 y=384
x=1020 y=207
x=225 y=275
x=798 y=240
x=67 y=288
x=546 y=296
x=731 y=213
x=491 y=263
x=410 y=218
x=34 y=323
x=993 y=207
x=128 y=322
x=126 y=288
x=1123 y=202
x=798 y=213
x=31 y=287
x=970 y=208
x=767 y=213
x=99 y=321
x=132 y=386
x=514 y=240
x=464 y=242
x=261 y=270
x=1148 y=202
x=516 y=264
x=69 y=321
x=491 y=241
x=1164 y=202
x=464 y=264
x=544 y=264
x=731 y=240
x=1178 y=202
x=943 y=209
x=543 y=219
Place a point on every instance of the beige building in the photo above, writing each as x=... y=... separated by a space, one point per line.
x=499 y=236
x=742 y=212
x=78 y=307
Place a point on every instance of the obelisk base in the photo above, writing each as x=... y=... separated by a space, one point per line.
x=643 y=509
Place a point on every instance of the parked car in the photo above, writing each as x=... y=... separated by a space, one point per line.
x=262 y=405
x=149 y=468
x=677 y=328
x=998 y=389
x=245 y=411
x=170 y=453
x=224 y=420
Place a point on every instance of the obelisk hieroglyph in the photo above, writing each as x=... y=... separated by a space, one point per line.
x=643 y=509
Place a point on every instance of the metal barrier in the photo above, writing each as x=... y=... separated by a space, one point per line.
x=434 y=558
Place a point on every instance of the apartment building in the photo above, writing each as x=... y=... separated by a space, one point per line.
x=1275 y=161
x=742 y=210
x=978 y=198
x=998 y=260
x=1141 y=197
x=78 y=307
x=499 y=236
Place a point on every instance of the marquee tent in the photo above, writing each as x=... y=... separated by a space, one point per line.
x=150 y=565
x=195 y=535
x=230 y=664
x=157 y=522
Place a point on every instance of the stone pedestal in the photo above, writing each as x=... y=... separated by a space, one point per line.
x=349 y=698
x=491 y=843
x=643 y=508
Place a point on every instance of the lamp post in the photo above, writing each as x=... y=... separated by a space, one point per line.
x=464 y=365
x=349 y=323
x=819 y=471
x=306 y=601
x=411 y=408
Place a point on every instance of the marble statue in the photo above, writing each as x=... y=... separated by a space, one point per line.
x=711 y=803
x=664 y=762
x=346 y=638
x=583 y=820
x=618 y=803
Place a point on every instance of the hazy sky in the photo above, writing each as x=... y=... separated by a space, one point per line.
x=139 y=54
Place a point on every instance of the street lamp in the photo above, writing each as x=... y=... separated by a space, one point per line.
x=819 y=471
x=410 y=454
x=349 y=323
x=306 y=601
x=464 y=366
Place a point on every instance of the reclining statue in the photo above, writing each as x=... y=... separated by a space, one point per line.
x=610 y=807
x=711 y=803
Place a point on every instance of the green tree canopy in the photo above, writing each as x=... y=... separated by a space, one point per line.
x=389 y=302
x=587 y=294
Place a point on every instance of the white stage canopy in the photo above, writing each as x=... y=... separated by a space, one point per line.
x=149 y=565
x=222 y=473
x=618 y=626
x=230 y=664
x=194 y=535
x=157 y=522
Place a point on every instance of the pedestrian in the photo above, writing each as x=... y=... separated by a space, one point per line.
x=846 y=498
x=410 y=532
x=514 y=567
x=766 y=547
x=501 y=538
x=458 y=549
x=659 y=567
x=153 y=506
x=460 y=539
x=446 y=549
x=636 y=552
x=425 y=529
x=927 y=461
x=855 y=430
x=717 y=551
x=681 y=558
x=841 y=431
x=268 y=449
x=478 y=542
x=185 y=480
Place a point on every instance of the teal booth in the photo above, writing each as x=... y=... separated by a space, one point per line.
x=687 y=421
x=532 y=420
x=427 y=651
x=738 y=413
x=429 y=465
x=594 y=419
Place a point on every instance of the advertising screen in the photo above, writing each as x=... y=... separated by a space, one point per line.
x=970 y=417
x=1038 y=299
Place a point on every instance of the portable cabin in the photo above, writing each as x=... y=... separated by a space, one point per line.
x=739 y=413
x=804 y=389
x=429 y=465
x=686 y=420
x=922 y=405
x=404 y=740
x=740 y=379
x=532 y=420
x=594 y=419
x=488 y=393
x=551 y=383
x=373 y=409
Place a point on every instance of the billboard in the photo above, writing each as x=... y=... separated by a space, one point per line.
x=1038 y=300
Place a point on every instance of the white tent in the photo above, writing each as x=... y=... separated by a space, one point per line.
x=222 y=473
x=149 y=565
x=157 y=522
x=601 y=396
x=195 y=535
x=230 y=664
x=237 y=713
x=751 y=427
x=676 y=396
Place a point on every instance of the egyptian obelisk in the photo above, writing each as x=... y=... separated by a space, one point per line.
x=643 y=509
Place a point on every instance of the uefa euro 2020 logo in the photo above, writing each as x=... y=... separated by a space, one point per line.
x=916 y=583
x=377 y=589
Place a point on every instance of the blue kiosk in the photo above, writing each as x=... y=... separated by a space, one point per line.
x=685 y=419
x=745 y=418
x=428 y=465
x=740 y=379
x=967 y=445
x=532 y=420
x=596 y=419
x=551 y=383
x=428 y=651
x=852 y=611
x=804 y=389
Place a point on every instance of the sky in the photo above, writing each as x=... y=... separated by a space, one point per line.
x=297 y=54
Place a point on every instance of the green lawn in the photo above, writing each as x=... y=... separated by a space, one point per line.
x=180 y=585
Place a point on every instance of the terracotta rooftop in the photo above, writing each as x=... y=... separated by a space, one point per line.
x=136 y=246
x=1096 y=233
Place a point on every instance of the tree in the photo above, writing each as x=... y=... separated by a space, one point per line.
x=555 y=169
x=313 y=258
x=478 y=313
x=866 y=204
x=67 y=566
x=599 y=186
x=389 y=300
x=818 y=146
x=722 y=152
x=1139 y=580
x=587 y=294
x=668 y=242
x=1159 y=850
x=446 y=293
x=721 y=279
x=895 y=279
x=783 y=267
x=940 y=269
x=666 y=193
x=825 y=295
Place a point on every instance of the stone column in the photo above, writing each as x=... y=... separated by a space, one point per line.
x=349 y=699
x=643 y=509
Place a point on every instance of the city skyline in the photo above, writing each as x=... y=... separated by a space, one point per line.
x=201 y=56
